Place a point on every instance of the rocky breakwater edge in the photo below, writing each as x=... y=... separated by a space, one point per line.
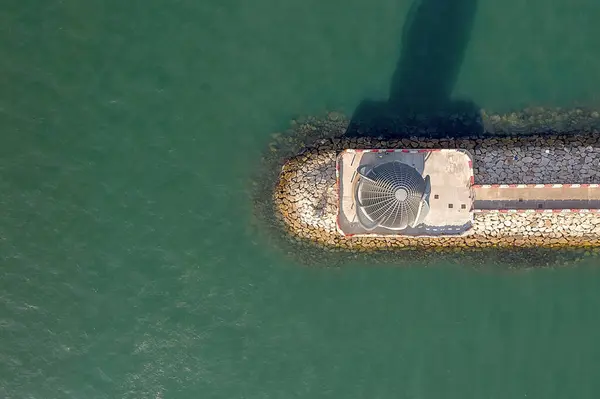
x=304 y=195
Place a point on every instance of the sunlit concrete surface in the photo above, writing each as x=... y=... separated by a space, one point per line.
x=451 y=199
x=559 y=196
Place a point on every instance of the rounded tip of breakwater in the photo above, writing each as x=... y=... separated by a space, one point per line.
x=295 y=198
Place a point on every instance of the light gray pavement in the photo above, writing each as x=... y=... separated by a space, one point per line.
x=450 y=202
x=537 y=197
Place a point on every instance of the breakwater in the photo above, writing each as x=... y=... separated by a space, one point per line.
x=304 y=196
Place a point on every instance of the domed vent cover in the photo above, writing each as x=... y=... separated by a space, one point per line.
x=391 y=195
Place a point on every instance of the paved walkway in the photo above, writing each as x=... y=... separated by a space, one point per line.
x=537 y=196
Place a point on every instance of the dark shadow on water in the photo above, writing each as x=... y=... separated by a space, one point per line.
x=433 y=44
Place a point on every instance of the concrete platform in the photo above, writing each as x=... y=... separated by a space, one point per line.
x=451 y=199
x=543 y=196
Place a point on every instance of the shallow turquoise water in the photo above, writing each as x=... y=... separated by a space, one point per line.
x=128 y=265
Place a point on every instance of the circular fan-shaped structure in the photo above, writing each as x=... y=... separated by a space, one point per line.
x=390 y=195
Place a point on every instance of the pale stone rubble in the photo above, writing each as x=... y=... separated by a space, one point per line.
x=555 y=227
x=306 y=195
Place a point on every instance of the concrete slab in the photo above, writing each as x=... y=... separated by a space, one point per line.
x=537 y=197
x=539 y=204
x=451 y=199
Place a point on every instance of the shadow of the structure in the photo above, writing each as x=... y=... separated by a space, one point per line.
x=434 y=40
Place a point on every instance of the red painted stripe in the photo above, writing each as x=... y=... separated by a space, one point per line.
x=423 y=150
x=539 y=210
x=472 y=179
x=470 y=164
x=556 y=210
x=512 y=185
x=359 y=150
x=585 y=185
x=389 y=150
x=503 y=210
x=374 y=150
x=405 y=150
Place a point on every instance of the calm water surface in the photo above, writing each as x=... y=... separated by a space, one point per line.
x=128 y=268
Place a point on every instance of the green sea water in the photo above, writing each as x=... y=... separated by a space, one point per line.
x=129 y=267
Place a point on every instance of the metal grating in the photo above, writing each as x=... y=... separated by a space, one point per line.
x=390 y=195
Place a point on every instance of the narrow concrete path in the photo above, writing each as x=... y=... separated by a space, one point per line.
x=542 y=196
